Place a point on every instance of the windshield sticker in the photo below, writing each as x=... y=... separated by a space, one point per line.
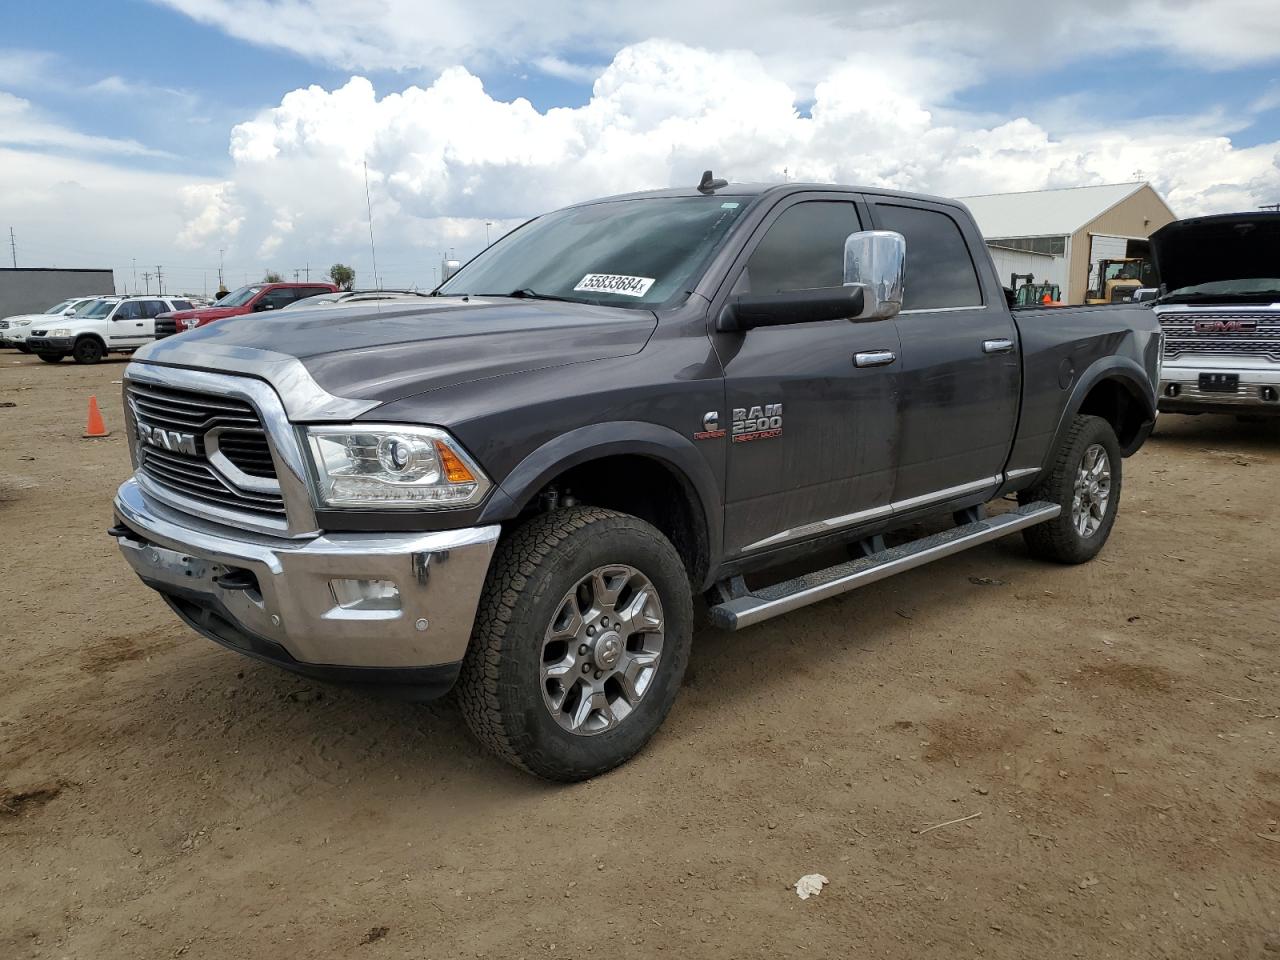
x=614 y=283
x=728 y=206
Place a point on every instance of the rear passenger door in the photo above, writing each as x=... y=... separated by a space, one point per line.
x=960 y=375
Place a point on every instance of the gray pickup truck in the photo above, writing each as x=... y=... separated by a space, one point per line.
x=517 y=488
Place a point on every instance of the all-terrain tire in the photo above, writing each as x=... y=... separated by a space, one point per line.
x=51 y=357
x=88 y=350
x=1061 y=539
x=500 y=688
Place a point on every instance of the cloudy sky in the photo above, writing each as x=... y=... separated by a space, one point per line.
x=164 y=132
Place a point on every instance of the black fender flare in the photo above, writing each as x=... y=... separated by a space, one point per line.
x=1130 y=375
x=615 y=438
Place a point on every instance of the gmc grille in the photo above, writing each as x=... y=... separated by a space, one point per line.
x=1181 y=337
x=165 y=327
x=241 y=439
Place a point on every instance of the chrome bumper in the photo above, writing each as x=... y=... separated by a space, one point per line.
x=289 y=601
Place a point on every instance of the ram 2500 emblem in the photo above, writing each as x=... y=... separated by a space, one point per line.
x=710 y=426
x=171 y=440
x=757 y=423
x=1226 y=326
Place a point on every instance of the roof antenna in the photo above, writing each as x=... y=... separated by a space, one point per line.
x=710 y=184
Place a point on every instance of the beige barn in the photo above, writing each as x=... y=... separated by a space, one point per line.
x=1060 y=235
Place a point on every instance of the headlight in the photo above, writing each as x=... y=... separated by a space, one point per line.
x=392 y=466
x=60 y=332
x=22 y=323
x=190 y=323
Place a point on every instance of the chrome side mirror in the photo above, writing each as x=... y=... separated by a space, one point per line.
x=876 y=260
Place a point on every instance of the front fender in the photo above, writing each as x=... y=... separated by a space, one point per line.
x=599 y=440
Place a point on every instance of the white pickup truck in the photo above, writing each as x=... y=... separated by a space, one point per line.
x=1219 y=310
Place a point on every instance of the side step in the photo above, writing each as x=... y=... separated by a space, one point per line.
x=780 y=598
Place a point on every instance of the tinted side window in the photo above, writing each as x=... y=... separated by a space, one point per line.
x=278 y=298
x=130 y=310
x=182 y=305
x=311 y=292
x=940 y=271
x=803 y=249
x=151 y=308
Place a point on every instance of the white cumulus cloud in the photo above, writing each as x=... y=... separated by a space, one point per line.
x=445 y=158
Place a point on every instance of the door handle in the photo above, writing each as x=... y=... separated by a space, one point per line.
x=1001 y=345
x=874 y=358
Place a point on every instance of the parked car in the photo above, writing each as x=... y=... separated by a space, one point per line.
x=1220 y=313
x=615 y=407
x=254 y=298
x=344 y=297
x=107 y=325
x=14 y=330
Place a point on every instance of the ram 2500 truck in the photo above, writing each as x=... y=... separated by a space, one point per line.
x=1220 y=312
x=517 y=488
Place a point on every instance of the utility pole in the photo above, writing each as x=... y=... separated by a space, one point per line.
x=13 y=248
x=147 y=279
x=159 y=279
x=221 y=285
x=487 y=225
x=308 y=271
x=296 y=271
x=135 y=274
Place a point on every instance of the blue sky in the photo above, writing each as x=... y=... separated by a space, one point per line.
x=167 y=130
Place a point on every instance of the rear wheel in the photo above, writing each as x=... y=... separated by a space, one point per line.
x=88 y=350
x=580 y=643
x=51 y=357
x=1085 y=481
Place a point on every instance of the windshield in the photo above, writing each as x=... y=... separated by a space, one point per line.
x=238 y=298
x=1252 y=287
x=98 y=308
x=624 y=252
x=59 y=307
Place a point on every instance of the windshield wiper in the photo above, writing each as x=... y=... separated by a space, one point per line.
x=525 y=293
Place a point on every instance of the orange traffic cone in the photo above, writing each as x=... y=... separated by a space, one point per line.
x=95 y=427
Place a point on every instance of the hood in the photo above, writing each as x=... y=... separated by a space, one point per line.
x=208 y=313
x=1231 y=246
x=389 y=351
x=34 y=317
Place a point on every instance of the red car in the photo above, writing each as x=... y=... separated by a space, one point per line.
x=251 y=299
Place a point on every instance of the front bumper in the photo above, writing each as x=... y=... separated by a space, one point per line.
x=51 y=344
x=272 y=598
x=1257 y=389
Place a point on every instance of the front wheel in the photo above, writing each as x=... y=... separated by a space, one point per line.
x=580 y=643
x=51 y=357
x=1085 y=480
x=88 y=350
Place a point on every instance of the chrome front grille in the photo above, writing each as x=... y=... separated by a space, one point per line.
x=187 y=470
x=1182 y=338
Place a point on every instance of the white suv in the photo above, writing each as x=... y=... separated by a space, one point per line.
x=108 y=325
x=14 y=330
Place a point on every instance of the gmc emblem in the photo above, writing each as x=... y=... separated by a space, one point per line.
x=1226 y=326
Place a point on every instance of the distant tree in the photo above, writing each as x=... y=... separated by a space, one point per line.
x=342 y=275
x=272 y=277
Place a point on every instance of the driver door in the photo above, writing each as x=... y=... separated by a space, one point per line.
x=126 y=328
x=812 y=408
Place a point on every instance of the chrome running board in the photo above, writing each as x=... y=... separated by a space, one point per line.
x=780 y=598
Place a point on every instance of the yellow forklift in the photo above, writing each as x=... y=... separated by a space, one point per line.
x=1118 y=279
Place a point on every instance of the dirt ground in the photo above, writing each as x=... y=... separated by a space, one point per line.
x=1109 y=734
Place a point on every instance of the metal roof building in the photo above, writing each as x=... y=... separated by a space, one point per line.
x=1060 y=235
